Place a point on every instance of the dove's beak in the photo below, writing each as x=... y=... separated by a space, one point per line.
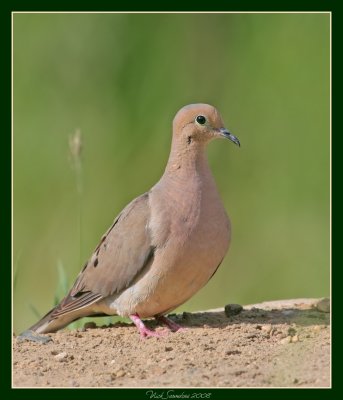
x=226 y=134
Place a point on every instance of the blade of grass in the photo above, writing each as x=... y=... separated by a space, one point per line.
x=62 y=283
x=75 y=148
x=35 y=311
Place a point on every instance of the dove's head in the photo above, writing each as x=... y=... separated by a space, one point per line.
x=200 y=123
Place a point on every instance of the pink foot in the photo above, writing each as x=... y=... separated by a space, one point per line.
x=143 y=330
x=173 y=326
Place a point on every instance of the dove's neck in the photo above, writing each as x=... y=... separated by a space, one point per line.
x=187 y=160
x=187 y=183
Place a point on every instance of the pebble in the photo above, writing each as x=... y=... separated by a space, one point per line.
x=89 y=325
x=232 y=352
x=119 y=374
x=295 y=339
x=168 y=348
x=318 y=328
x=286 y=340
x=266 y=328
x=323 y=305
x=232 y=309
x=259 y=327
x=251 y=336
x=61 y=356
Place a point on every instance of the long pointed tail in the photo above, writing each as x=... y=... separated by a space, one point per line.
x=49 y=324
x=68 y=310
x=46 y=324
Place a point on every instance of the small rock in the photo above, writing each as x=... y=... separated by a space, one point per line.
x=323 y=305
x=317 y=328
x=266 y=328
x=120 y=373
x=295 y=380
x=295 y=339
x=280 y=334
x=61 y=356
x=89 y=325
x=286 y=340
x=113 y=362
x=232 y=352
x=168 y=348
x=232 y=309
x=251 y=336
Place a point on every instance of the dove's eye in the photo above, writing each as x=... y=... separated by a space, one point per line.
x=200 y=119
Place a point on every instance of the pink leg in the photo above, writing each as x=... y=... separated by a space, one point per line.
x=173 y=326
x=143 y=330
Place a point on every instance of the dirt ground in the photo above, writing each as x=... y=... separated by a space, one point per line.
x=273 y=344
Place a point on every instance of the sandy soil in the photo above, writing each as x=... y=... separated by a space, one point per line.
x=275 y=344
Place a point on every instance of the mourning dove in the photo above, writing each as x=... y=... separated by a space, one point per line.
x=164 y=246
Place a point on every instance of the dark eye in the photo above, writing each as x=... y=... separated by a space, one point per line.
x=200 y=119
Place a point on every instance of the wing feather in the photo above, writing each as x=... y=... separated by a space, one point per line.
x=122 y=253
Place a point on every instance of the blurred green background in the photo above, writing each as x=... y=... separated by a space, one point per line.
x=120 y=79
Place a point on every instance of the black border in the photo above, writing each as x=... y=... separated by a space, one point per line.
x=176 y=5
x=5 y=209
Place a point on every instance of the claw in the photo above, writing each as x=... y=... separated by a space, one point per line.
x=173 y=326
x=143 y=330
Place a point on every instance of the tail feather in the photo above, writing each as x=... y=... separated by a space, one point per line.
x=49 y=323
x=61 y=316
x=70 y=309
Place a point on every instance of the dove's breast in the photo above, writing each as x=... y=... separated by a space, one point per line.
x=191 y=235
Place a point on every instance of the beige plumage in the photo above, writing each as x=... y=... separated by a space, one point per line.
x=165 y=245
